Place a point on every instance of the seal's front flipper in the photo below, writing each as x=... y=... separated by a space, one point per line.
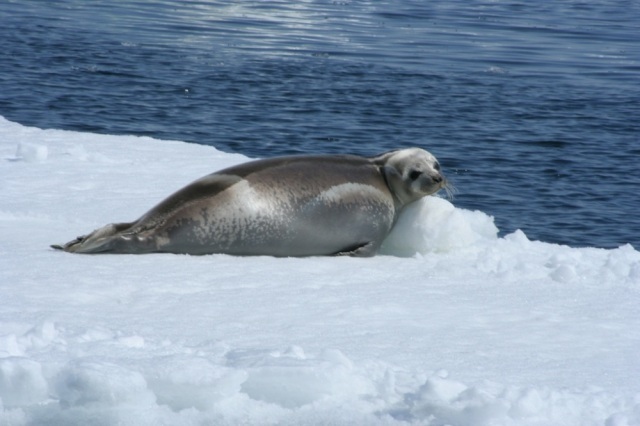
x=365 y=250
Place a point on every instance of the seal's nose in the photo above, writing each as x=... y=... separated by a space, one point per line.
x=437 y=178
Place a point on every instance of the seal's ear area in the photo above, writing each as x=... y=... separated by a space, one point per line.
x=390 y=173
x=397 y=184
x=381 y=159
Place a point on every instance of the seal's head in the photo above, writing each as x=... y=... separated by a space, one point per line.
x=411 y=174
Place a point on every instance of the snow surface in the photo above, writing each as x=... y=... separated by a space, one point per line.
x=452 y=325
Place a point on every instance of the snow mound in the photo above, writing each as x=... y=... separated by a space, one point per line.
x=433 y=224
x=232 y=386
x=31 y=152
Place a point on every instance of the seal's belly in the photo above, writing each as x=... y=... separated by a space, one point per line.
x=253 y=221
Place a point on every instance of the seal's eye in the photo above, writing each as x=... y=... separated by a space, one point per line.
x=437 y=166
x=414 y=174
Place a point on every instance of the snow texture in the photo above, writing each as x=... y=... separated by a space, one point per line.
x=451 y=325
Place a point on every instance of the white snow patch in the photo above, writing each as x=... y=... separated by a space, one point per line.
x=30 y=152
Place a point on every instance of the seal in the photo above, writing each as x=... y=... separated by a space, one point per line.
x=307 y=205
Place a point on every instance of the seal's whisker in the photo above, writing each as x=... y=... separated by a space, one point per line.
x=450 y=190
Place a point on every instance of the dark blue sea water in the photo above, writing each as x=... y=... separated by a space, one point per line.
x=533 y=108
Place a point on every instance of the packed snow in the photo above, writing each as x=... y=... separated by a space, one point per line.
x=450 y=325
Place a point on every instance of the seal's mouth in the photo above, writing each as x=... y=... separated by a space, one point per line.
x=439 y=182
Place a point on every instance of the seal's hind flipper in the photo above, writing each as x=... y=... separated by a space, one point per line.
x=102 y=240
x=70 y=246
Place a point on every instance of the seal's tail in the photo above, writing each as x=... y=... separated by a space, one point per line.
x=102 y=240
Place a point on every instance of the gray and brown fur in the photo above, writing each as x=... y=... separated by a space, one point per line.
x=285 y=206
